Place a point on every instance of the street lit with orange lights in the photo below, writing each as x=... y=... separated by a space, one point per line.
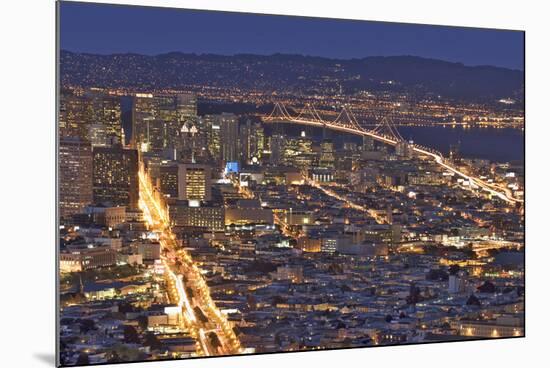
x=182 y=273
x=348 y=202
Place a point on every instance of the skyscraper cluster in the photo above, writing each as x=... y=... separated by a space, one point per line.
x=94 y=164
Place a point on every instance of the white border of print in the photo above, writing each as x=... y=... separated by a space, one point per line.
x=27 y=154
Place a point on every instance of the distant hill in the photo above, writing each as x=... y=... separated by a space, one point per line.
x=293 y=74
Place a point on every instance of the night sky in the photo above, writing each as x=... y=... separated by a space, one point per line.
x=106 y=29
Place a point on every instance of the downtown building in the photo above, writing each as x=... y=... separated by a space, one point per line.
x=252 y=138
x=277 y=149
x=75 y=175
x=194 y=205
x=115 y=176
x=210 y=217
x=91 y=116
x=229 y=137
x=213 y=136
x=82 y=259
x=182 y=181
x=298 y=153
x=247 y=212
x=168 y=179
x=327 y=158
x=194 y=183
x=157 y=121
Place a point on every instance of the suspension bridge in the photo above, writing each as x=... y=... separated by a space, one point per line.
x=384 y=131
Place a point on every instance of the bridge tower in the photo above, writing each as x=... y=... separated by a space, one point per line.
x=346 y=119
x=386 y=128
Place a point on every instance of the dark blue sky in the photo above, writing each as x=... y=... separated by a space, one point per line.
x=105 y=29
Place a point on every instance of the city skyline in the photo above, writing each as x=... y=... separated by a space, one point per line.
x=216 y=205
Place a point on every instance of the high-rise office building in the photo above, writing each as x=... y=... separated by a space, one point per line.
x=298 y=153
x=92 y=116
x=213 y=136
x=169 y=180
x=115 y=176
x=291 y=150
x=160 y=123
x=167 y=135
x=252 y=141
x=107 y=113
x=144 y=110
x=98 y=135
x=194 y=182
x=327 y=157
x=155 y=121
x=404 y=149
x=75 y=175
x=229 y=137
x=75 y=116
x=193 y=142
x=277 y=147
x=186 y=106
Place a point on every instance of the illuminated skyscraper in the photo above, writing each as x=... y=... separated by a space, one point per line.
x=75 y=175
x=190 y=148
x=213 y=136
x=327 y=154
x=186 y=106
x=142 y=113
x=98 y=135
x=94 y=117
x=194 y=182
x=107 y=113
x=298 y=153
x=277 y=147
x=404 y=149
x=115 y=176
x=158 y=120
x=229 y=137
x=169 y=180
x=75 y=116
x=155 y=122
x=252 y=141
x=169 y=124
x=290 y=151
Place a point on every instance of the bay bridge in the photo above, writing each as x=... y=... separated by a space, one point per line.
x=384 y=131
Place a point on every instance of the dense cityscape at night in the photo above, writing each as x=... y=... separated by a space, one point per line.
x=217 y=205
